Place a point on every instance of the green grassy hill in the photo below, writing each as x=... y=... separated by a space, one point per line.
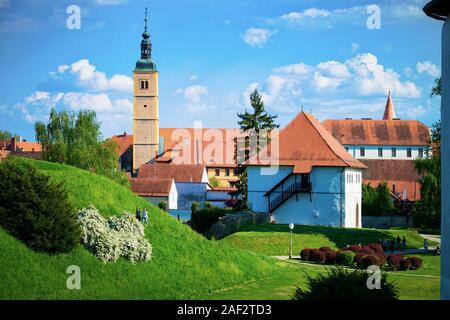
x=184 y=264
x=273 y=239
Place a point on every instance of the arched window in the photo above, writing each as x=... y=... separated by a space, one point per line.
x=146 y=84
x=142 y=84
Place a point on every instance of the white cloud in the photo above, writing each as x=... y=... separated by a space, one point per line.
x=361 y=77
x=308 y=13
x=193 y=77
x=196 y=99
x=88 y=77
x=257 y=37
x=355 y=47
x=429 y=68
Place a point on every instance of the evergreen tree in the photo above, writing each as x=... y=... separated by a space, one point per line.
x=35 y=209
x=253 y=124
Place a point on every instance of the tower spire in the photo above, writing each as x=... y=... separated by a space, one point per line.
x=389 y=112
x=145 y=20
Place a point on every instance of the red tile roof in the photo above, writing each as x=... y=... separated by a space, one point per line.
x=305 y=143
x=408 y=189
x=379 y=132
x=177 y=172
x=124 y=141
x=151 y=187
x=398 y=170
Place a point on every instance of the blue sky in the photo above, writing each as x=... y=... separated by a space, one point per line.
x=210 y=54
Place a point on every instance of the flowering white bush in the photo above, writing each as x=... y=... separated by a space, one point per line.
x=119 y=236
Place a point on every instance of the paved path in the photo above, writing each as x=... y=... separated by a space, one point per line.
x=432 y=237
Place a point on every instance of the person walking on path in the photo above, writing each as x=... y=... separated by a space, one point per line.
x=392 y=245
x=398 y=242
x=425 y=245
x=145 y=216
x=404 y=243
x=138 y=214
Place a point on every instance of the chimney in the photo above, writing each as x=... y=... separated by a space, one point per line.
x=124 y=133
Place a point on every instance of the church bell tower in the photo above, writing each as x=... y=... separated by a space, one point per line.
x=145 y=114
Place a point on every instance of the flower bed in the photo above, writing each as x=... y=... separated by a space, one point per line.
x=362 y=256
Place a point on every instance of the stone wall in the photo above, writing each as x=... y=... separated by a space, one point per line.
x=231 y=223
x=386 y=222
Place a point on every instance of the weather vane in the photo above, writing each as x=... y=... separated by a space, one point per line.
x=145 y=19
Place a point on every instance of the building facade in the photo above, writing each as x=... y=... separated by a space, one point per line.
x=316 y=182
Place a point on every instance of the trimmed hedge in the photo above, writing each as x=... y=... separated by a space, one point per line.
x=416 y=263
x=345 y=258
x=202 y=220
x=305 y=254
x=318 y=256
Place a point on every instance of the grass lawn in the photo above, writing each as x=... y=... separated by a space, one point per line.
x=273 y=239
x=422 y=284
x=185 y=265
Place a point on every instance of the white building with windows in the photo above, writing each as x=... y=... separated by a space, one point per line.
x=388 y=147
x=316 y=182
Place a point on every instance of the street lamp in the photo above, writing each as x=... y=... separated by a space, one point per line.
x=440 y=9
x=291 y=227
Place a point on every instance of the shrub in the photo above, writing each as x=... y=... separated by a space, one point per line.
x=376 y=247
x=318 y=256
x=370 y=260
x=394 y=261
x=382 y=258
x=330 y=257
x=345 y=258
x=305 y=254
x=367 y=250
x=162 y=205
x=359 y=257
x=194 y=207
x=108 y=240
x=36 y=210
x=405 y=264
x=341 y=284
x=202 y=220
x=325 y=249
x=354 y=248
x=416 y=263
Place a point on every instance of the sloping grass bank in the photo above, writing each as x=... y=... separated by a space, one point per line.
x=184 y=265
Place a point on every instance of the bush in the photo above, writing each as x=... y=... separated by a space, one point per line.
x=341 y=284
x=354 y=248
x=359 y=257
x=194 y=207
x=369 y=260
x=162 y=205
x=330 y=257
x=325 y=249
x=120 y=236
x=394 y=261
x=318 y=256
x=382 y=258
x=36 y=210
x=305 y=254
x=345 y=258
x=202 y=220
x=405 y=264
x=376 y=247
x=416 y=263
x=367 y=250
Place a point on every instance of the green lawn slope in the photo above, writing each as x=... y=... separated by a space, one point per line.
x=184 y=265
x=273 y=239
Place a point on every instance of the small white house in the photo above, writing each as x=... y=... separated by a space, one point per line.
x=317 y=181
x=156 y=190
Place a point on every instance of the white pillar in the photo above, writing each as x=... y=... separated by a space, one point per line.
x=445 y=160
